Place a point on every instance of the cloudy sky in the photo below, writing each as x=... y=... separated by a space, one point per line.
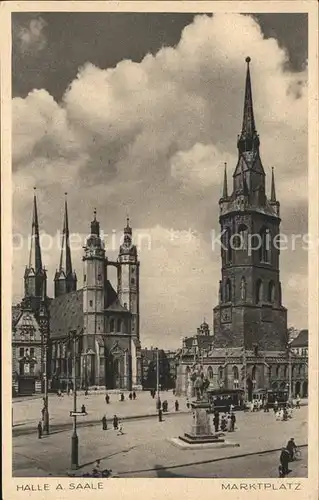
x=137 y=113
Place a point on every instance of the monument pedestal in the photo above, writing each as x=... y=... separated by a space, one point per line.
x=201 y=432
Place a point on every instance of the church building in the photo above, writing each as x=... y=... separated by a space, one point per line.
x=94 y=329
x=249 y=347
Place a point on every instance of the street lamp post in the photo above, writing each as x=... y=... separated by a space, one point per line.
x=289 y=373
x=46 y=421
x=157 y=383
x=245 y=373
x=74 y=439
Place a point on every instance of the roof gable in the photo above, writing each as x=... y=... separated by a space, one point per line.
x=27 y=327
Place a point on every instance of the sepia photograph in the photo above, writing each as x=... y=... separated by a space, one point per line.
x=160 y=245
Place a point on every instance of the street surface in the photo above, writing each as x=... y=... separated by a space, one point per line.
x=145 y=449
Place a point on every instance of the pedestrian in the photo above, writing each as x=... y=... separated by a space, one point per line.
x=153 y=393
x=86 y=393
x=104 y=423
x=176 y=405
x=107 y=398
x=115 y=422
x=229 y=423
x=187 y=403
x=223 y=423
x=291 y=447
x=40 y=430
x=276 y=405
x=122 y=397
x=216 y=421
x=284 y=460
x=134 y=395
x=130 y=396
x=120 y=430
x=233 y=422
x=298 y=402
x=83 y=409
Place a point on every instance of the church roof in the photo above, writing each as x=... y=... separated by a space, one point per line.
x=202 y=341
x=301 y=340
x=66 y=314
x=16 y=313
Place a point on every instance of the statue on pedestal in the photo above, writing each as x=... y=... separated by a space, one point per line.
x=201 y=383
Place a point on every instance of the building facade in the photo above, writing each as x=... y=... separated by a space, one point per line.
x=249 y=348
x=94 y=329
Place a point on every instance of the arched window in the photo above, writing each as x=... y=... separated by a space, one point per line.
x=293 y=371
x=286 y=372
x=209 y=373
x=235 y=373
x=277 y=371
x=119 y=325
x=228 y=291
x=254 y=372
x=220 y=372
x=112 y=325
x=227 y=246
x=259 y=291
x=264 y=245
x=241 y=238
x=271 y=292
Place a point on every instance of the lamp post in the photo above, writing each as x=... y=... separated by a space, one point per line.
x=289 y=373
x=157 y=381
x=74 y=439
x=46 y=422
x=245 y=373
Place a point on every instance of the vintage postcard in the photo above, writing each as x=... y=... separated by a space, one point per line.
x=160 y=249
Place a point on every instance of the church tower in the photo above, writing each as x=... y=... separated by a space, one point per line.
x=35 y=278
x=250 y=313
x=65 y=279
x=129 y=296
x=128 y=278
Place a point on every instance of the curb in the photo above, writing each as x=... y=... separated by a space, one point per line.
x=91 y=423
x=229 y=457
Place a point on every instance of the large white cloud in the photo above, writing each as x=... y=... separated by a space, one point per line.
x=151 y=139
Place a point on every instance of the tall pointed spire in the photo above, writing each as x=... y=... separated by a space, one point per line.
x=273 y=189
x=35 y=258
x=248 y=140
x=225 y=187
x=67 y=267
x=65 y=279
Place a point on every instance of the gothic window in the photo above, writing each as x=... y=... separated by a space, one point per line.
x=264 y=245
x=21 y=352
x=293 y=371
x=254 y=373
x=277 y=371
x=220 y=372
x=259 y=291
x=99 y=277
x=112 y=325
x=91 y=303
x=228 y=291
x=286 y=372
x=209 y=372
x=271 y=292
x=269 y=372
x=132 y=281
x=241 y=238
x=84 y=279
x=119 y=325
x=21 y=368
x=227 y=245
x=235 y=373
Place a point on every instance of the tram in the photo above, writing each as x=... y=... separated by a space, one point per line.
x=222 y=399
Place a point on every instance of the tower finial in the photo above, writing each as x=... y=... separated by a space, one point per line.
x=248 y=139
x=94 y=213
x=273 y=189
x=225 y=187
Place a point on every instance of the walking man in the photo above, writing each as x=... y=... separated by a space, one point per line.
x=104 y=423
x=284 y=460
x=39 y=430
x=107 y=398
x=134 y=395
x=232 y=422
x=176 y=405
x=115 y=422
x=216 y=421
